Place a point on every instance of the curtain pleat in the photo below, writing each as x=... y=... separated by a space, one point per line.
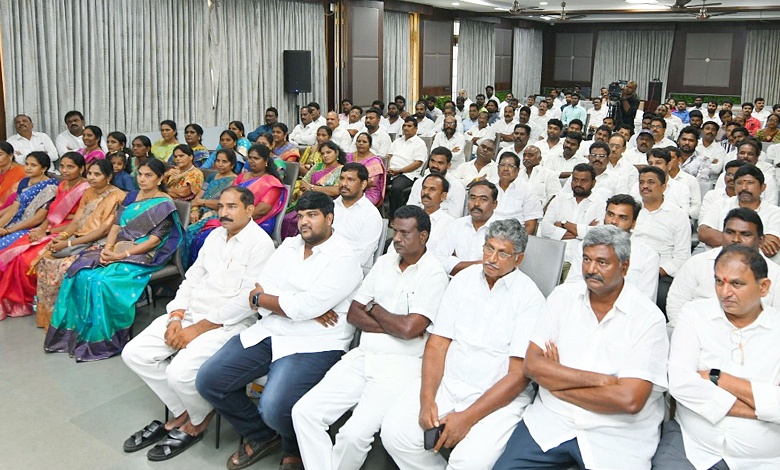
x=396 y=50
x=476 y=56
x=129 y=64
x=527 y=62
x=640 y=56
x=762 y=62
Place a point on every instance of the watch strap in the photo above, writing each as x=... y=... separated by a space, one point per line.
x=714 y=376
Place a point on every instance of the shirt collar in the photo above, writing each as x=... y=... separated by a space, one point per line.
x=623 y=304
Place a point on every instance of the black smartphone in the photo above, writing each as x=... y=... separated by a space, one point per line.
x=255 y=299
x=431 y=437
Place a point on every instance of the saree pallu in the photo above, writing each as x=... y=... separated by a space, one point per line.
x=212 y=187
x=192 y=177
x=377 y=176
x=17 y=287
x=262 y=187
x=767 y=136
x=309 y=158
x=95 y=308
x=92 y=156
x=319 y=176
x=163 y=152
x=199 y=155
x=31 y=199
x=288 y=152
x=7 y=182
x=48 y=271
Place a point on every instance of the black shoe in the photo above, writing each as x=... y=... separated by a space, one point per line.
x=174 y=444
x=145 y=437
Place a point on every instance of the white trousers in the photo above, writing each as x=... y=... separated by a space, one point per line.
x=402 y=437
x=171 y=373
x=346 y=385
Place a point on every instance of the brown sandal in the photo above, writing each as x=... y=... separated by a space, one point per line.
x=259 y=450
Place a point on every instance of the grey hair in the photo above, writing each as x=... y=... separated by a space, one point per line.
x=618 y=239
x=510 y=230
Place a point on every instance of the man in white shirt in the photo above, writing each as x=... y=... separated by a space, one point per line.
x=516 y=200
x=564 y=162
x=504 y=129
x=489 y=96
x=714 y=199
x=462 y=108
x=608 y=180
x=598 y=355
x=690 y=161
x=711 y=115
x=538 y=121
x=395 y=304
x=760 y=112
x=675 y=193
x=26 y=140
x=393 y=122
x=452 y=139
x=484 y=166
x=673 y=123
x=483 y=130
x=601 y=135
x=658 y=128
x=617 y=162
x=507 y=101
x=210 y=307
x=380 y=140
x=316 y=117
x=723 y=374
x=710 y=149
x=70 y=140
x=354 y=217
x=425 y=126
x=355 y=121
x=433 y=195
x=521 y=133
x=404 y=159
x=543 y=181
x=675 y=173
x=530 y=102
x=552 y=146
x=749 y=151
x=473 y=387
x=637 y=156
x=439 y=163
x=465 y=237
x=304 y=133
x=340 y=135
x=553 y=108
x=431 y=109
x=303 y=295
x=597 y=114
x=662 y=226
x=622 y=212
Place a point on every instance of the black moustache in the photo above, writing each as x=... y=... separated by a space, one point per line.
x=594 y=276
x=225 y=219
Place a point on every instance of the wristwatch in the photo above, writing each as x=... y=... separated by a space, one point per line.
x=369 y=307
x=563 y=223
x=714 y=376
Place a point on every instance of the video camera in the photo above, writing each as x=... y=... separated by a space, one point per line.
x=615 y=89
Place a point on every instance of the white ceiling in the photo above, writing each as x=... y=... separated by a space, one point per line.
x=617 y=10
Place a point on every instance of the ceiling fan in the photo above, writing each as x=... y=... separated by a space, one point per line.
x=681 y=6
x=563 y=16
x=517 y=9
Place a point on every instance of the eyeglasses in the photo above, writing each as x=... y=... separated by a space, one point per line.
x=507 y=165
x=489 y=250
x=738 y=353
x=615 y=146
x=598 y=156
x=656 y=127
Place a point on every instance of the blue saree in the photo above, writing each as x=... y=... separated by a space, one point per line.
x=95 y=308
x=31 y=199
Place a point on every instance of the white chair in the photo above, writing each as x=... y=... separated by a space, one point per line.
x=380 y=249
x=543 y=262
x=277 y=233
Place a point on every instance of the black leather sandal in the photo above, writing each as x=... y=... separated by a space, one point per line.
x=146 y=436
x=259 y=450
x=172 y=445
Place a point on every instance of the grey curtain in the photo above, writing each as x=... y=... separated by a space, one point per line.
x=527 y=62
x=632 y=55
x=762 y=62
x=476 y=56
x=396 y=50
x=128 y=64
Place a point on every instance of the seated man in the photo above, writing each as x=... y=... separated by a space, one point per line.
x=305 y=133
x=439 y=163
x=393 y=307
x=516 y=200
x=544 y=182
x=210 y=307
x=465 y=237
x=303 y=295
x=608 y=180
x=723 y=374
x=742 y=226
x=404 y=159
x=749 y=151
x=598 y=355
x=434 y=193
x=27 y=140
x=675 y=193
x=451 y=138
x=473 y=387
x=521 y=133
x=484 y=166
x=564 y=162
x=714 y=199
x=354 y=217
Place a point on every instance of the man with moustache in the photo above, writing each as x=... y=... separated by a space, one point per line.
x=434 y=192
x=482 y=167
x=26 y=140
x=608 y=180
x=393 y=122
x=483 y=129
x=521 y=133
x=709 y=148
x=305 y=133
x=749 y=150
x=697 y=119
x=472 y=119
x=515 y=198
x=564 y=162
x=404 y=159
x=425 y=126
x=439 y=163
x=271 y=117
x=452 y=139
x=543 y=181
x=690 y=161
x=492 y=109
x=617 y=146
x=340 y=135
x=638 y=156
x=302 y=296
x=71 y=140
x=380 y=139
x=505 y=129
x=210 y=307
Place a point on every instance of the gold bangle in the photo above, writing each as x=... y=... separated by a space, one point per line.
x=127 y=254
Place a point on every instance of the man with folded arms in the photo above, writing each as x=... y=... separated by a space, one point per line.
x=303 y=295
x=210 y=307
x=395 y=304
x=598 y=356
x=724 y=375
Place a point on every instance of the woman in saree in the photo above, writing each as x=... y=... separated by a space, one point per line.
x=10 y=174
x=282 y=147
x=227 y=140
x=33 y=195
x=89 y=227
x=92 y=150
x=141 y=152
x=116 y=142
x=95 y=308
x=264 y=182
x=322 y=177
x=770 y=132
x=193 y=136
x=281 y=165
x=243 y=144
x=377 y=174
x=206 y=200
x=311 y=156
x=163 y=149
x=184 y=180
x=18 y=282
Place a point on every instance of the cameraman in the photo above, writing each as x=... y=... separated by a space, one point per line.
x=627 y=104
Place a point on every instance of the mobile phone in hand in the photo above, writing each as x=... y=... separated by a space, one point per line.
x=431 y=437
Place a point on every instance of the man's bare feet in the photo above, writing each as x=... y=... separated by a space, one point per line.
x=177 y=421
x=290 y=459
x=194 y=430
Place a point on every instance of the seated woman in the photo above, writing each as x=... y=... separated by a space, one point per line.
x=227 y=140
x=122 y=178
x=17 y=281
x=282 y=147
x=141 y=153
x=33 y=195
x=770 y=132
x=185 y=179
x=89 y=228
x=377 y=174
x=243 y=144
x=323 y=177
x=193 y=136
x=10 y=174
x=264 y=182
x=311 y=156
x=163 y=148
x=116 y=142
x=95 y=307
x=206 y=200
x=281 y=165
x=92 y=150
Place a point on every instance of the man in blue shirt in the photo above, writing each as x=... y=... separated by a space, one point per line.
x=271 y=118
x=681 y=112
x=573 y=111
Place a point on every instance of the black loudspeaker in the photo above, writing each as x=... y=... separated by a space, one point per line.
x=297 y=71
x=653 y=95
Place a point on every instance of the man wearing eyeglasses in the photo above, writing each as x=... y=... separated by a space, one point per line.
x=658 y=128
x=516 y=199
x=723 y=373
x=608 y=180
x=473 y=387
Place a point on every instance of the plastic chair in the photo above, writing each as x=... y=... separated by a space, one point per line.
x=543 y=262
x=277 y=234
x=174 y=267
x=293 y=168
x=382 y=239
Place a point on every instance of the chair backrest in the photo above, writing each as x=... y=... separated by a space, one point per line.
x=428 y=142
x=206 y=172
x=381 y=245
x=392 y=136
x=704 y=187
x=543 y=262
x=467 y=149
x=183 y=209
x=292 y=173
x=277 y=235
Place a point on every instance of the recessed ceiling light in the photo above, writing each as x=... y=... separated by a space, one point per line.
x=455 y=4
x=641 y=1
x=542 y=3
